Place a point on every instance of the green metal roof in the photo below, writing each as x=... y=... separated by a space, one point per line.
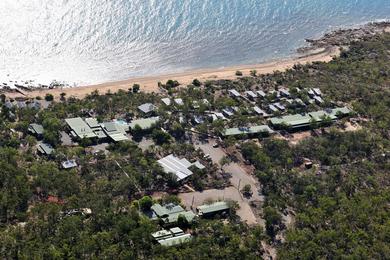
x=211 y=208
x=80 y=128
x=92 y=122
x=36 y=128
x=320 y=115
x=167 y=209
x=292 y=120
x=45 y=148
x=342 y=110
x=172 y=218
x=145 y=123
x=115 y=131
x=299 y=120
x=170 y=213
x=248 y=130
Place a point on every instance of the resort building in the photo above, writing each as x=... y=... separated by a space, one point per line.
x=228 y=111
x=171 y=237
x=69 y=164
x=95 y=127
x=251 y=131
x=304 y=120
x=169 y=214
x=251 y=95
x=234 y=93
x=179 y=167
x=318 y=100
x=179 y=101
x=272 y=108
x=114 y=131
x=280 y=106
x=166 y=101
x=45 y=149
x=317 y=92
x=284 y=92
x=209 y=210
x=261 y=93
x=36 y=130
x=259 y=111
x=79 y=129
x=147 y=108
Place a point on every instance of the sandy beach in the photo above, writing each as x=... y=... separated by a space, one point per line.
x=150 y=83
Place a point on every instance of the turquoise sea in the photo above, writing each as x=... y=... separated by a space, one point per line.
x=93 y=41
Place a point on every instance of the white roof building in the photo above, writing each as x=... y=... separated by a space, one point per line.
x=179 y=167
x=317 y=91
x=259 y=111
x=234 y=93
x=179 y=101
x=250 y=94
x=166 y=101
x=147 y=108
x=261 y=93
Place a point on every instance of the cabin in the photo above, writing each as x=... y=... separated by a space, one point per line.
x=171 y=237
x=318 y=100
x=280 y=106
x=210 y=210
x=36 y=130
x=259 y=111
x=261 y=94
x=272 y=108
x=251 y=95
x=197 y=119
x=179 y=101
x=69 y=164
x=317 y=92
x=45 y=149
x=166 y=101
x=284 y=92
x=234 y=93
x=311 y=93
x=228 y=112
x=147 y=108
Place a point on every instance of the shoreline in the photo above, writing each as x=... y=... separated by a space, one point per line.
x=149 y=84
x=323 y=49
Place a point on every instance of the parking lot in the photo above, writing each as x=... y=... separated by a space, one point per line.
x=230 y=193
x=241 y=176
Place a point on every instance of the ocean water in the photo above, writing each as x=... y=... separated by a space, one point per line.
x=94 y=41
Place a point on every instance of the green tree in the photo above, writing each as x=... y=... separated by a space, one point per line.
x=49 y=97
x=160 y=137
x=272 y=220
x=136 y=88
x=146 y=203
x=196 y=83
